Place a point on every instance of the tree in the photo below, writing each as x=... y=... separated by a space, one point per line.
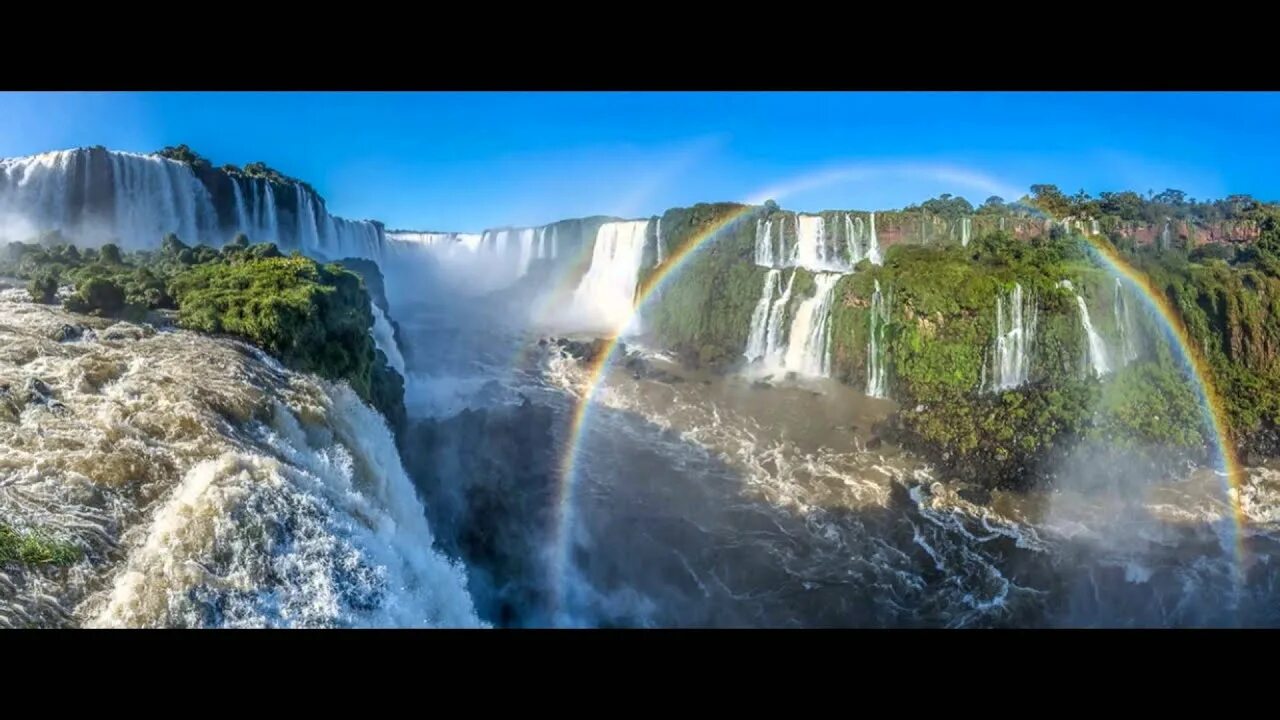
x=110 y=255
x=1050 y=200
x=1171 y=197
x=992 y=205
x=44 y=287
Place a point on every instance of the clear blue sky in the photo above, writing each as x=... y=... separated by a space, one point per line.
x=464 y=161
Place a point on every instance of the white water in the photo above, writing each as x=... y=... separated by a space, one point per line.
x=605 y=299
x=764 y=243
x=208 y=487
x=525 y=239
x=877 y=382
x=95 y=196
x=873 y=246
x=658 y=240
x=756 y=347
x=1096 y=348
x=966 y=231
x=1015 y=336
x=807 y=343
x=242 y=214
x=1124 y=325
x=774 y=349
x=385 y=338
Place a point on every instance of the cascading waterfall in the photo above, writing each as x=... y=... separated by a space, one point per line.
x=1094 y=228
x=1124 y=325
x=308 y=231
x=1096 y=349
x=1164 y=236
x=873 y=244
x=606 y=295
x=542 y=243
x=242 y=213
x=756 y=346
x=526 y=251
x=877 y=381
x=272 y=227
x=861 y=239
x=658 y=240
x=774 y=350
x=93 y=196
x=966 y=231
x=1015 y=336
x=384 y=338
x=764 y=242
x=807 y=345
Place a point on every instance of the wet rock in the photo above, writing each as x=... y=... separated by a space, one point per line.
x=875 y=443
x=128 y=331
x=69 y=333
x=36 y=392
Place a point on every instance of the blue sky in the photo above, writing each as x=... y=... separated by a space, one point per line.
x=464 y=161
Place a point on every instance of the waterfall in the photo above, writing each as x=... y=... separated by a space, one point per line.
x=861 y=239
x=1094 y=229
x=815 y=247
x=272 y=228
x=555 y=242
x=542 y=242
x=658 y=240
x=873 y=245
x=1164 y=236
x=1015 y=336
x=1124 y=325
x=764 y=242
x=966 y=231
x=756 y=347
x=308 y=232
x=526 y=251
x=877 y=385
x=774 y=350
x=242 y=215
x=807 y=345
x=607 y=292
x=385 y=339
x=93 y=197
x=1096 y=349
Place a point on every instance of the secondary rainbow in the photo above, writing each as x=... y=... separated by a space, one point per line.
x=1211 y=402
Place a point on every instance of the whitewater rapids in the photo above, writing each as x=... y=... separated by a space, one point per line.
x=713 y=501
x=204 y=486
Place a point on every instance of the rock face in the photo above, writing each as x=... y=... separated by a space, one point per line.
x=488 y=481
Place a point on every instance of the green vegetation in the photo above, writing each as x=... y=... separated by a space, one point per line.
x=941 y=331
x=703 y=312
x=315 y=318
x=33 y=548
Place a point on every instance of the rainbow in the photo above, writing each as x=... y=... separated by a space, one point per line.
x=1216 y=418
x=595 y=376
x=1211 y=403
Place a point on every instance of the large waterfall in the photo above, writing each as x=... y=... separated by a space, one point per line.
x=877 y=381
x=966 y=231
x=1015 y=337
x=93 y=196
x=605 y=299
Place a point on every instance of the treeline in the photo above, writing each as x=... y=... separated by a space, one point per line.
x=1049 y=201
